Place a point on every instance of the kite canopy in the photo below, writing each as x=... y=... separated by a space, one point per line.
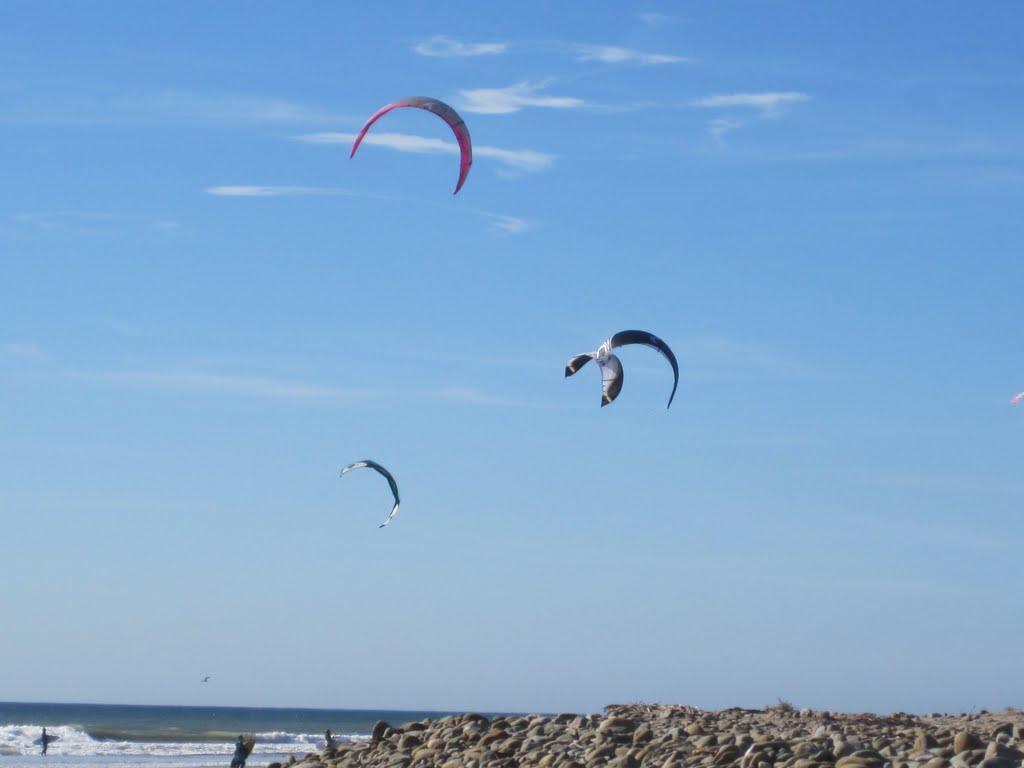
x=611 y=378
x=611 y=366
x=442 y=110
x=1017 y=398
x=387 y=476
x=622 y=338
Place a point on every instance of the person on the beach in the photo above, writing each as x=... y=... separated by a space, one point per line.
x=331 y=743
x=238 y=760
x=45 y=741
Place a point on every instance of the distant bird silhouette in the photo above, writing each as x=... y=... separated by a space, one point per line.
x=205 y=679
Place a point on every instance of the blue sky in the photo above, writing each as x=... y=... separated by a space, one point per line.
x=206 y=308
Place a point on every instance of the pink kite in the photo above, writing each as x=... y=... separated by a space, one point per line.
x=442 y=110
x=1017 y=398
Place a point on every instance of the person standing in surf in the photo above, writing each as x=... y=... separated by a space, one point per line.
x=45 y=741
x=330 y=740
x=241 y=753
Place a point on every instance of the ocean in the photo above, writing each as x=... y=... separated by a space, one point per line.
x=174 y=737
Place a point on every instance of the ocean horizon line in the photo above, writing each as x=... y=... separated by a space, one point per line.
x=250 y=708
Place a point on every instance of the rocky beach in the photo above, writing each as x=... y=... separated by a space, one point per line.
x=631 y=736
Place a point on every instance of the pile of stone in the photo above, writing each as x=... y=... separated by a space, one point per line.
x=635 y=736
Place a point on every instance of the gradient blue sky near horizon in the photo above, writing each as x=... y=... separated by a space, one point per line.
x=206 y=308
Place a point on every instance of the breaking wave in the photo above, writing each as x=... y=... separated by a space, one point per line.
x=76 y=740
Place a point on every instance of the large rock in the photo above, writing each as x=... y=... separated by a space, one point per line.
x=599 y=753
x=378 y=731
x=625 y=761
x=423 y=753
x=852 y=761
x=617 y=725
x=924 y=741
x=998 y=749
x=493 y=736
x=726 y=755
x=409 y=741
x=965 y=740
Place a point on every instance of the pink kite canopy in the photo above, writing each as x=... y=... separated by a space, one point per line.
x=1017 y=398
x=442 y=110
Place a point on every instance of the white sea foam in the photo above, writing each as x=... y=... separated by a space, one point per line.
x=74 y=741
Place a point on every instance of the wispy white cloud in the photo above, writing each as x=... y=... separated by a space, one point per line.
x=717 y=357
x=87 y=221
x=61 y=219
x=22 y=351
x=103 y=104
x=403 y=142
x=920 y=146
x=233 y=108
x=721 y=126
x=504 y=225
x=201 y=382
x=503 y=101
x=613 y=54
x=528 y=160
x=251 y=386
x=770 y=103
x=442 y=46
x=474 y=396
x=653 y=19
x=445 y=47
x=244 y=190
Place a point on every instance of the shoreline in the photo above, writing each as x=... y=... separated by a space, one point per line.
x=673 y=736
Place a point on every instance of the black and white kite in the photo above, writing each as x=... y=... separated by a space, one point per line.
x=611 y=367
x=387 y=476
